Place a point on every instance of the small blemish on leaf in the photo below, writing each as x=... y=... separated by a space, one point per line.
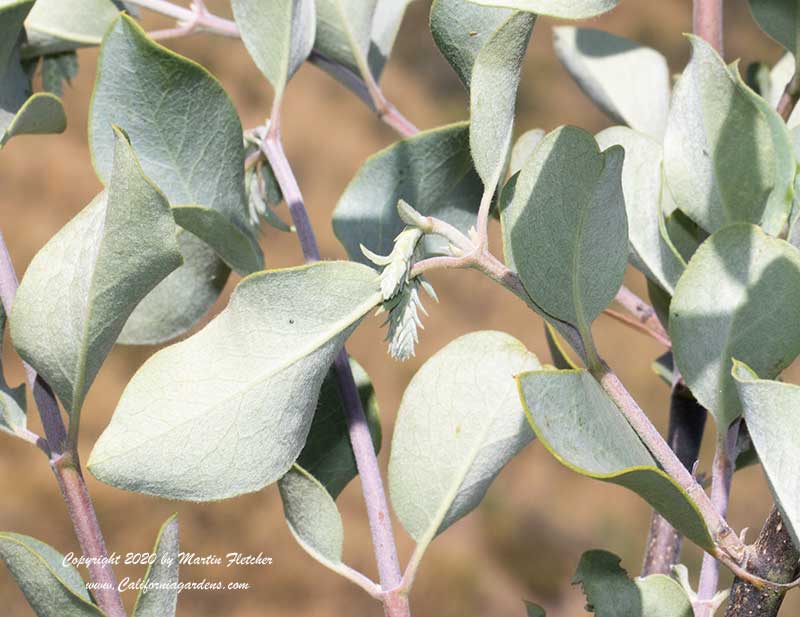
x=291 y=321
x=458 y=429
x=473 y=33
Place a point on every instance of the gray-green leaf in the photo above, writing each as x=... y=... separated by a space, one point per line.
x=227 y=411
x=460 y=28
x=726 y=306
x=493 y=93
x=181 y=299
x=432 y=171
x=523 y=148
x=51 y=588
x=459 y=423
x=780 y=19
x=162 y=599
x=770 y=410
x=610 y=593
x=567 y=9
x=385 y=25
x=579 y=425
x=83 y=284
x=313 y=517
x=344 y=32
x=642 y=184
x=629 y=82
x=328 y=455
x=567 y=226
x=278 y=35
x=80 y=22
x=20 y=111
x=727 y=155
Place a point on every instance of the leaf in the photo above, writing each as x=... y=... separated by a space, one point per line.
x=780 y=75
x=162 y=599
x=533 y=610
x=21 y=112
x=181 y=299
x=57 y=69
x=12 y=400
x=236 y=248
x=227 y=411
x=51 y=588
x=460 y=29
x=458 y=425
x=770 y=410
x=83 y=284
x=385 y=26
x=780 y=19
x=278 y=35
x=629 y=82
x=558 y=352
x=313 y=517
x=523 y=148
x=567 y=9
x=651 y=249
x=727 y=155
x=493 y=93
x=684 y=234
x=610 y=593
x=432 y=171
x=726 y=306
x=81 y=22
x=567 y=226
x=327 y=454
x=344 y=32
x=151 y=91
x=583 y=429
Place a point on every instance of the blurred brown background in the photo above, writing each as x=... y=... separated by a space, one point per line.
x=526 y=538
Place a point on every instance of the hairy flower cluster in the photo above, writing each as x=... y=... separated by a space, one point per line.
x=401 y=297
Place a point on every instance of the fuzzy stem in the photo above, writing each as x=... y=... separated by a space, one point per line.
x=66 y=467
x=643 y=312
x=790 y=96
x=707 y=22
x=773 y=556
x=687 y=419
x=721 y=477
x=395 y=604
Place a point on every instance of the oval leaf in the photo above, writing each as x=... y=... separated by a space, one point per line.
x=278 y=35
x=459 y=423
x=227 y=411
x=460 y=28
x=344 y=32
x=567 y=9
x=83 y=284
x=328 y=455
x=493 y=93
x=181 y=299
x=83 y=22
x=582 y=428
x=51 y=588
x=725 y=306
x=770 y=410
x=780 y=19
x=385 y=27
x=162 y=574
x=567 y=226
x=626 y=80
x=313 y=517
x=150 y=91
x=720 y=171
x=432 y=171
x=12 y=400
x=643 y=187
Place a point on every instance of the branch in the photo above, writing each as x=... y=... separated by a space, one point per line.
x=644 y=314
x=198 y=18
x=790 y=96
x=773 y=556
x=687 y=419
x=722 y=475
x=395 y=604
x=66 y=467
